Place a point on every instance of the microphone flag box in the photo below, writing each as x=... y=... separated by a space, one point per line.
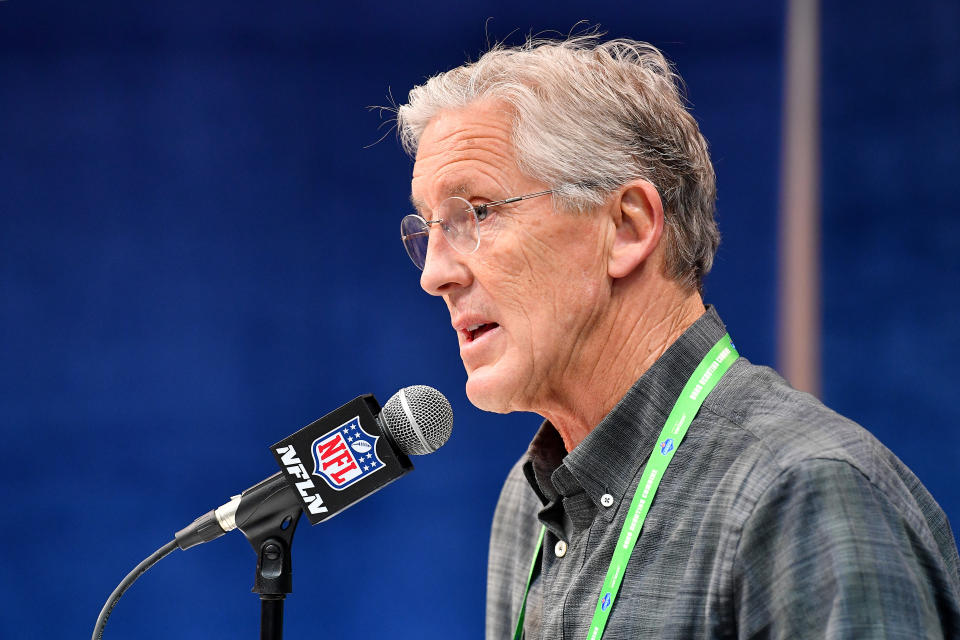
x=340 y=459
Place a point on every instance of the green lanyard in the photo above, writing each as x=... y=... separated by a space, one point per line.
x=700 y=384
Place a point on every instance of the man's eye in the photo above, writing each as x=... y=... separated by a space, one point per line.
x=482 y=212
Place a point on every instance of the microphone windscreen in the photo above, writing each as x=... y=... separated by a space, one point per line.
x=419 y=419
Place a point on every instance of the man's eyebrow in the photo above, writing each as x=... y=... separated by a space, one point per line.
x=459 y=189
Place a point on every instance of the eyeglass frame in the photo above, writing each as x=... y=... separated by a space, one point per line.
x=479 y=215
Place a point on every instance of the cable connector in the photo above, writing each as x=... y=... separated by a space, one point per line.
x=209 y=526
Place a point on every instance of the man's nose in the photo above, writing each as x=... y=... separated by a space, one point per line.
x=444 y=268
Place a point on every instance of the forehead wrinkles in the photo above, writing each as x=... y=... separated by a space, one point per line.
x=485 y=155
x=458 y=150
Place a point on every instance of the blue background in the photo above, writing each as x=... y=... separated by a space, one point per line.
x=199 y=255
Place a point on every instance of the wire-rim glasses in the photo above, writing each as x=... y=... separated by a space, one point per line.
x=458 y=219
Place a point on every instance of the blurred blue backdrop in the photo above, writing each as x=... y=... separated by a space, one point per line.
x=199 y=255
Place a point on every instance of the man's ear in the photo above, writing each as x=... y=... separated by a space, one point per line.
x=638 y=219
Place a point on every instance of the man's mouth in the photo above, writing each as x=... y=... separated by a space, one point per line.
x=474 y=331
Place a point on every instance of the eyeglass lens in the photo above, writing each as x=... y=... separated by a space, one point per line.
x=458 y=220
x=414 y=233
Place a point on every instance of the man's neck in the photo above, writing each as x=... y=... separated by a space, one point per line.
x=633 y=338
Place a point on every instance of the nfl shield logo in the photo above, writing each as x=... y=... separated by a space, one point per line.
x=344 y=456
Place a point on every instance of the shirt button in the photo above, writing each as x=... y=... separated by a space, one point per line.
x=606 y=500
x=560 y=549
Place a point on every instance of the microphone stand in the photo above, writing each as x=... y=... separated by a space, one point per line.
x=268 y=515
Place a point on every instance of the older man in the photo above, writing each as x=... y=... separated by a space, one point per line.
x=565 y=203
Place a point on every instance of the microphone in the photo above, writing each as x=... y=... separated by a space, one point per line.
x=335 y=462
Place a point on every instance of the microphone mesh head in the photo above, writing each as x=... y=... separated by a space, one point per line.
x=419 y=419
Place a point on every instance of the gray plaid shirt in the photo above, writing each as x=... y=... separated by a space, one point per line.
x=777 y=518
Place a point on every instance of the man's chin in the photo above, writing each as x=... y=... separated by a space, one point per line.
x=489 y=392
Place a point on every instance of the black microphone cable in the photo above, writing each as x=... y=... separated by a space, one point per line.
x=126 y=583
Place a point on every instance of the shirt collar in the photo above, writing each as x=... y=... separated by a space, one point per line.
x=609 y=459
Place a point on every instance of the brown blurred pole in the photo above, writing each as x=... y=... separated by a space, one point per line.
x=799 y=286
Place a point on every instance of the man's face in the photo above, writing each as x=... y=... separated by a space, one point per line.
x=525 y=303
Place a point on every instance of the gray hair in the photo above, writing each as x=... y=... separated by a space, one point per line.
x=590 y=116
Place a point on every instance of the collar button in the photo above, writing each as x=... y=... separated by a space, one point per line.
x=606 y=500
x=560 y=549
